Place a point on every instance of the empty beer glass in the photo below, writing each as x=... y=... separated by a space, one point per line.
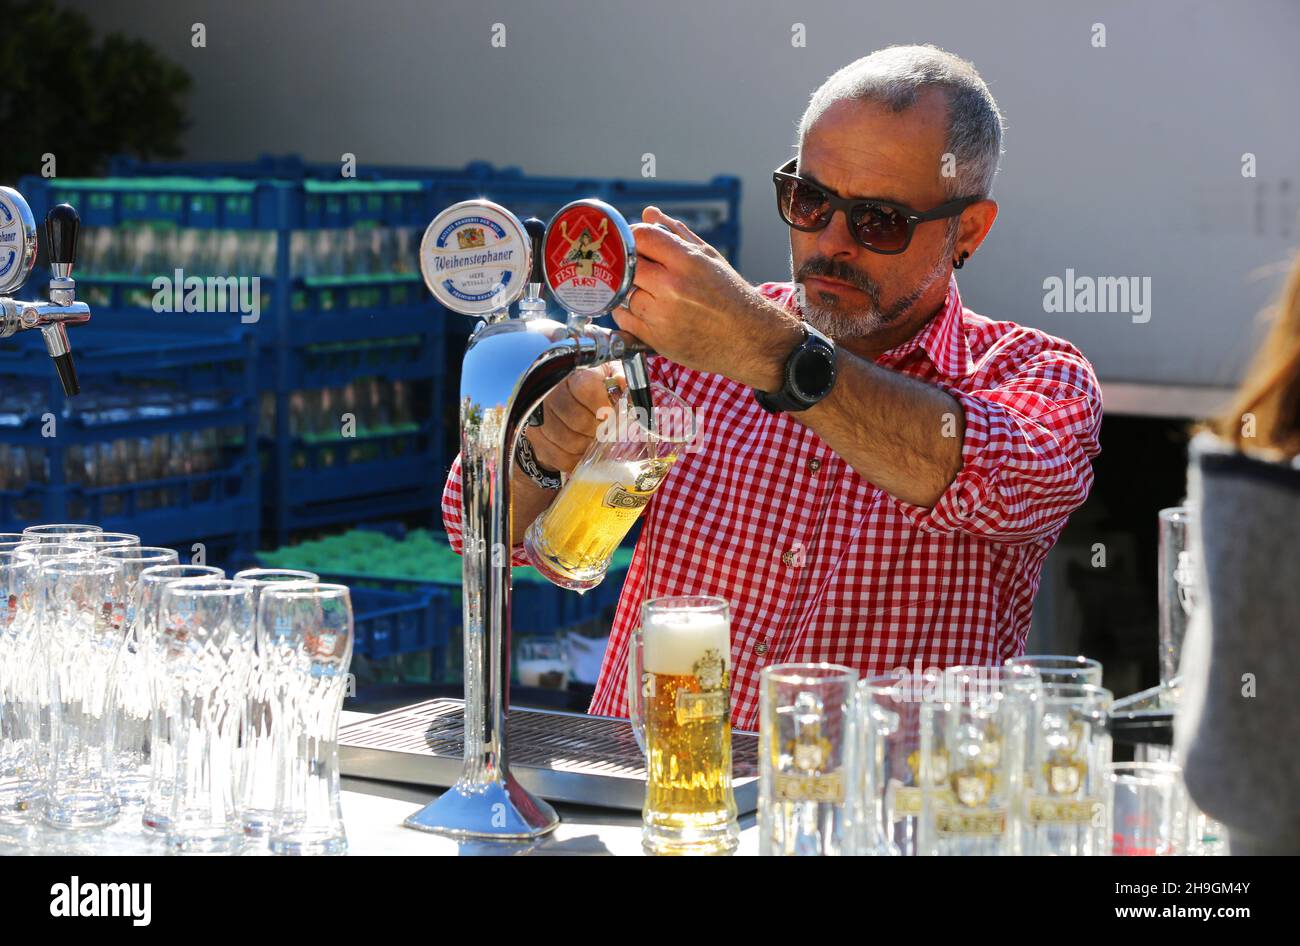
x=59 y=531
x=82 y=625
x=889 y=755
x=132 y=695
x=972 y=762
x=256 y=768
x=679 y=685
x=1177 y=589
x=1146 y=804
x=1064 y=811
x=206 y=627
x=20 y=754
x=805 y=753
x=1055 y=668
x=573 y=540
x=305 y=637
x=162 y=757
x=105 y=540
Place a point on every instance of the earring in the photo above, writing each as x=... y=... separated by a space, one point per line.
x=959 y=263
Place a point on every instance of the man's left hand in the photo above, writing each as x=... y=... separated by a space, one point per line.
x=694 y=309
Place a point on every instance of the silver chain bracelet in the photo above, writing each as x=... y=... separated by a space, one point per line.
x=527 y=462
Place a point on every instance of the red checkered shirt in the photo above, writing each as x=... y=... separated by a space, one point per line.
x=870 y=581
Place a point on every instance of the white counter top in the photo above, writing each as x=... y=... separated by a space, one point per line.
x=373 y=813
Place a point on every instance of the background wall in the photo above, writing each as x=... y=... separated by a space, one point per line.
x=1120 y=161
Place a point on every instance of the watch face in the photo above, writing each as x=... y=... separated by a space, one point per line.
x=813 y=371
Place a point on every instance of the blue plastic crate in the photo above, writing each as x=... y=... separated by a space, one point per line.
x=388 y=623
x=185 y=405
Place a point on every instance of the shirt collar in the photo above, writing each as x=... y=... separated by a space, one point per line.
x=942 y=339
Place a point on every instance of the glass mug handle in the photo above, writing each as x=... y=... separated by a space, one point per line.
x=635 y=692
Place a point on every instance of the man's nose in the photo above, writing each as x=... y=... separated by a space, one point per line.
x=834 y=240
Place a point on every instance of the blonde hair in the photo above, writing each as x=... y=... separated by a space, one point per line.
x=1267 y=404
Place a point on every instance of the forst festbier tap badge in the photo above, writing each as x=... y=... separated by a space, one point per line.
x=589 y=257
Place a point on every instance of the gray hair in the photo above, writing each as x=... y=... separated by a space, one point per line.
x=894 y=76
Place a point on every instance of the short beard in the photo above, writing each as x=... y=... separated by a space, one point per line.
x=871 y=320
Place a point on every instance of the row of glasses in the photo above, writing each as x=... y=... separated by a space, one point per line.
x=966 y=761
x=123 y=628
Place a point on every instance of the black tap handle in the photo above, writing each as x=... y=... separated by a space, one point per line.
x=61 y=226
x=67 y=374
x=537 y=235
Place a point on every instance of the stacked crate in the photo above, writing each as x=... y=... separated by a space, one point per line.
x=350 y=347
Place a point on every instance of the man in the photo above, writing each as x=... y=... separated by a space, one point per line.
x=880 y=472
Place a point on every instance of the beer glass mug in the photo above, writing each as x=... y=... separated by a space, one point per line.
x=132 y=697
x=255 y=768
x=82 y=621
x=20 y=756
x=806 y=743
x=206 y=630
x=162 y=715
x=1064 y=807
x=889 y=739
x=1055 y=668
x=679 y=702
x=972 y=760
x=305 y=636
x=59 y=531
x=1146 y=805
x=572 y=542
x=1176 y=584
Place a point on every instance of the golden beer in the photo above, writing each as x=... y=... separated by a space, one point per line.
x=577 y=535
x=682 y=711
x=573 y=541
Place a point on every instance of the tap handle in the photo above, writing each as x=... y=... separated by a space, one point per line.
x=67 y=374
x=61 y=226
x=537 y=237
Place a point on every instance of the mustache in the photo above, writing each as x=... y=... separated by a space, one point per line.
x=832 y=269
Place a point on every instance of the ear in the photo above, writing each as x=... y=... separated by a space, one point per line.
x=976 y=222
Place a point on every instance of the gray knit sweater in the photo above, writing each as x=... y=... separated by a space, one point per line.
x=1241 y=752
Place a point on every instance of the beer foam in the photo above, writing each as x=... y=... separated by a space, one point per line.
x=675 y=640
x=623 y=472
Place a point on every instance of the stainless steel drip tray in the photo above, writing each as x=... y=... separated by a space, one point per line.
x=567 y=757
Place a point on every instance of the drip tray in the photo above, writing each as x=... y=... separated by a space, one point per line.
x=567 y=757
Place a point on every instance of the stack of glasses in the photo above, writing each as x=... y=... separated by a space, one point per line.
x=1012 y=760
x=134 y=687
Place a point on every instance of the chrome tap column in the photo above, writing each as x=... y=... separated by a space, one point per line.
x=17 y=255
x=476 y=258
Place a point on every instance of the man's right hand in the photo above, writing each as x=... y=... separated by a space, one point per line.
x=571 y=415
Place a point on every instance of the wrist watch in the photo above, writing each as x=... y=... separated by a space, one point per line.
x=526 y=461
x=808 y=377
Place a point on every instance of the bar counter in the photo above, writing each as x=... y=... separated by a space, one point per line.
x=373 y=813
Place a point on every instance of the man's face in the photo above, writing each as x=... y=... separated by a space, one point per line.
x=863 y=150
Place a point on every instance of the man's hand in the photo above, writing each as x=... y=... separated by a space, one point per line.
x=571 y=416
x=690 y=306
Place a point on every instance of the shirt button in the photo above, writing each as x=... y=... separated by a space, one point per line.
x=814 y=465
x=788 y=557
x=760 y=648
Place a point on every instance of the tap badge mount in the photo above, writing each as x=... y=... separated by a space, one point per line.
x=475 y=257
x=589 y=257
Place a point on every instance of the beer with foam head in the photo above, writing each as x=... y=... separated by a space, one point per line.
x=573 y=541
x=683 y=654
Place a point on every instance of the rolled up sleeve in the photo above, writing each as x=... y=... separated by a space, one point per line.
x=1026 y=452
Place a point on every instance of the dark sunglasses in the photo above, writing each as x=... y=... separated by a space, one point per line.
x=879 y=225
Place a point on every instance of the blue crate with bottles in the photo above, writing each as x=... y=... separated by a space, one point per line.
x=159 y=443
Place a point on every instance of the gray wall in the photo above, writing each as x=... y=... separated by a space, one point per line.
x=1122 y=161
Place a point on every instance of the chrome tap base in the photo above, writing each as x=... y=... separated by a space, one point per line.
x=503 y=810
